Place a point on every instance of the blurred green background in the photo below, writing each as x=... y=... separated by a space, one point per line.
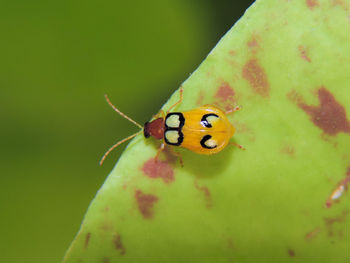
x=58 y=59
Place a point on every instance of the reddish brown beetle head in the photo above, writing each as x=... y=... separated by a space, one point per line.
x=154 y=128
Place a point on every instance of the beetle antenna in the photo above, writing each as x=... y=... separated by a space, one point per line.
x=122 y=114
x=116 y=145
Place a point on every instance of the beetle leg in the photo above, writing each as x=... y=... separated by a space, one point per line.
x=237 y=145
x=237 y=108
x=161 y=148
x=161 y=113
x=178 y=155
x=179 y=101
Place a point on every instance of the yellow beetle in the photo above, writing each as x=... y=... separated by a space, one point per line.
x=204 y=130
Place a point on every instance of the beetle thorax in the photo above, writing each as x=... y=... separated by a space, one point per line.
x=154 y=128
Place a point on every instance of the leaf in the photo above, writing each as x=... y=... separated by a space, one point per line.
x=287 y=64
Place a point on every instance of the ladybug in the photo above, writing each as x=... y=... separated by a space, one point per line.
x=204 y=130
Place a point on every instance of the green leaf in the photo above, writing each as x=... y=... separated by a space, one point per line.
x=287 y=64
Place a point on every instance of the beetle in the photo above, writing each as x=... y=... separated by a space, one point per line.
x=204 y=130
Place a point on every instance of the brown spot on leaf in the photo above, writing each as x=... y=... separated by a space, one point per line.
x=253 y=44
x=232 y=52
x=339 y=190
x=87 y=240
x=105 y=260
x=330 y=115
x=225 y=97
x=225 y=92
x=295 y=97
x=289 y=150
x=341 y=3
x=106 y=226
x=118 y=245
x=158 y=169
x=243 y=128
x=303 y=53
x=311 y=4
x=172 y=156
x=206 y=192
x=255 y=74
x=312 y=234
x=291 y=253
x=145 y=203
x=331 y=221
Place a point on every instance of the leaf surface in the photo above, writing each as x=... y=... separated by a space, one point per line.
x=287 y=64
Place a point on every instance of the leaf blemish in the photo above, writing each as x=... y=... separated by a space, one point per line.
x=232 y=53
x=339 y=190
x=289 y=150
x=340 y=3
x=145 y=203
x=106 y=226
x=206 y=192
x=158 y=169
x=331 y=221
x=257 y=78
x=118 y=245
x=329 y=115
x=253 y=44
x=225 y=97
x=87 y=240
x=303 y=53
x=311 y=4
x=311 y=235
x=295 y=97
